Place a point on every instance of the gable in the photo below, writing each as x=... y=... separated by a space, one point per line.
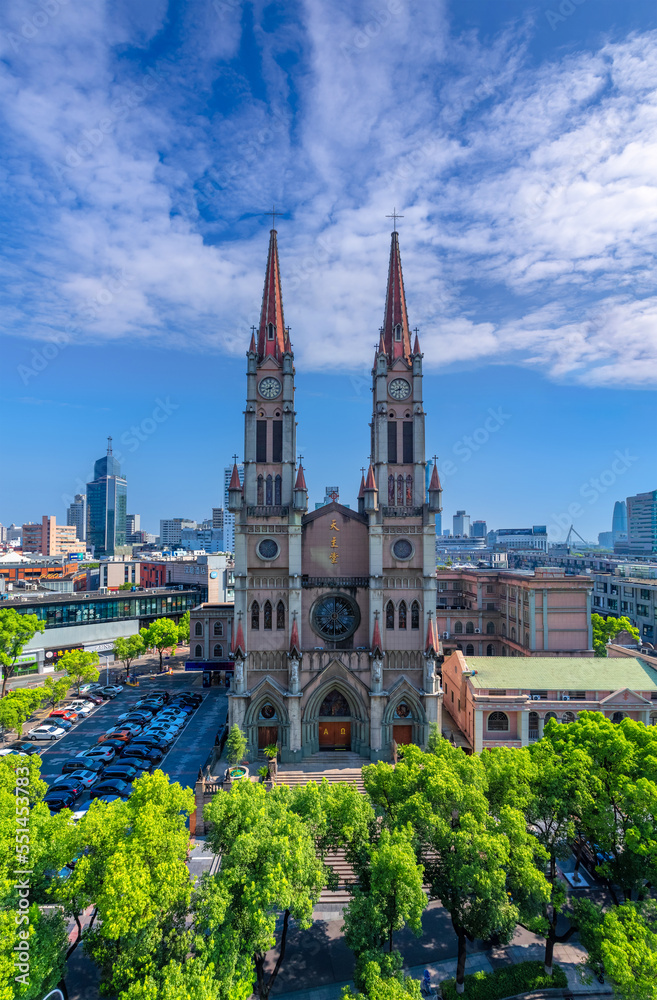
x=334 y=543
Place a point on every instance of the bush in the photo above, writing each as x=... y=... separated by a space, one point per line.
x=506 y=982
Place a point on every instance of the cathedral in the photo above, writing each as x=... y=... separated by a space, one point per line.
x=334 y=638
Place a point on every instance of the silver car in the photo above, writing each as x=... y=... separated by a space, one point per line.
x=46 y=733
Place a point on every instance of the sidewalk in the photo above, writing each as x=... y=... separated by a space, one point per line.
x=524 y=947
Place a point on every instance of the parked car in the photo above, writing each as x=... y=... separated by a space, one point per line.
x=110 y=798
x=113 y=787
x=103 y=753
x=83 y=708
x=20 y=746
x=113 y=687
x=133 y=727
x=145 y=706
x=46 y=732
x=86 y=777
x=139 y=761
x=76 y=764
x=94 y=698
x=142 y=753
x=67 y=784
x=124 y=772
x=135 y=716
x=115 y=734
x=64 y=713
x=160 y=694
x=107 y=693
x=152 y=742
x=87 y=688
x=61 y=798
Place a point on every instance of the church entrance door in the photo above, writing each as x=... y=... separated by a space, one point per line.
x=402 y=735
x=334 y=735
x=266 y=736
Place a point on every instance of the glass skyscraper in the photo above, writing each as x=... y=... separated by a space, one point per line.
x=107 y=503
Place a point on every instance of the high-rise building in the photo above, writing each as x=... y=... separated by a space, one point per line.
x=107 y=501
x=50 y=538
x=132 y=523
x=229 y=519
x=606 y=539
x=619 y=521
x=218 y=517
x=641 y=525
x=478 y=529
x=76 y=515
x=171 y=530
x=461 y=523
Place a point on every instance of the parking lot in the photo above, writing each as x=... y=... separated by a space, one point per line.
x=186 y=754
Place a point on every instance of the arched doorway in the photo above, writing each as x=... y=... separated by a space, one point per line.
x=334 y=720
x=402 y=727
x=268 y=732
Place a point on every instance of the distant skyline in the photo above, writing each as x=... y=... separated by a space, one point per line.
x=144 y=145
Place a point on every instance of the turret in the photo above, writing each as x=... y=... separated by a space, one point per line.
x=300 y=491
x=235 y=491
x=435 y=492
x=371 y=499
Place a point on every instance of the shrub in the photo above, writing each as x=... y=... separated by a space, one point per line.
x=506 y=982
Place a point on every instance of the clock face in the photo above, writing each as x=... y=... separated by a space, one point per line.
x=399 y=388
x=269 y=388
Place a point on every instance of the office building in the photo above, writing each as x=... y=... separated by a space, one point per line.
x=641 y=525
x=478 y=529
x=461 y=524
x=132 y=523
x=14 y=535
x=202 y=539
x=171 y=530
x=218 y=515
x=107 y=501
x=606 y=539
x=619 y=521
x=76 y=515
x=229 y=519
x=520 y=538
x=3 y=533
x=626 y=594
x=50 y=538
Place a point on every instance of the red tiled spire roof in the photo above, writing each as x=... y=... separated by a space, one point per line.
x=395 y=314
x=294 y=637
x=252 y=345
x=435 y=479
x=301 y=479
x=272 y=307
x=370 y=482
x=361 y=492
x=235 y=483
x=376 y=639
x=416 y=345
x=239 y=640
x=382 y=345
x=431 y=646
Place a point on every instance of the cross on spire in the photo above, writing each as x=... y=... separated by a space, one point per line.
x=395 y=215
x=434 y=459
x=273 y=214
x=300 y=458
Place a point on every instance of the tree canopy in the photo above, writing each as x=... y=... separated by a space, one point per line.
x=81 y=666
x=606 y=630
x=161 y=634
x=16 y=630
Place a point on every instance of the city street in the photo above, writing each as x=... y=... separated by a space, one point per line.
x=187 y=753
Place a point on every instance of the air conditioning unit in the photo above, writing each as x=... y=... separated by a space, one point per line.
x=536 y=697
x=565 y=697
x=477 y=631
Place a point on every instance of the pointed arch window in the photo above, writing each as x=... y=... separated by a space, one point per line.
x=490 y=649
x=400 y=491
x=267 y=616
x=415 y=614
x=198 y=629
x=270 y=332
x=469 y=628
x=277 y=490
x=218 y=651
x=398 y=332
x=391 y=491
x=255 y=615
x=199 y=651
x=469 y=649
x=409 y=490
x=218 y=628
x=280 y=615
x=490 y=628
x=261 y=491
x=268 y=491
x=458 y=627
x=390 y=615
x=402 y=614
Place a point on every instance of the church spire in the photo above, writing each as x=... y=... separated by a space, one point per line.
x=396 y=335
x=271 y=332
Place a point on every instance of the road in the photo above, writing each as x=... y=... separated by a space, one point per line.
x=187 y=754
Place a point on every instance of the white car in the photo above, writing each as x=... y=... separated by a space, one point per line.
x=113 y=687
x=88 y=688
x=82 y=707
x=46 y=733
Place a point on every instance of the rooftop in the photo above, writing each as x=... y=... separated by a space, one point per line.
x=572 y=673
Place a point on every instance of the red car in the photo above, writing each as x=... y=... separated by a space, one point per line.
x=65 y=713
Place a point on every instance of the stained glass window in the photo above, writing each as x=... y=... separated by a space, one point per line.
x=335 y=703
x=277 y=490
x=267 y=617
x=390 y=615
x=280 y=615
x=335 y=617
x=402 y=614
x=268 y=492
x=400 y=490
x=409 y=491
x=391 y=490
x=261 y=491
x=415 y=615
x=255 y=615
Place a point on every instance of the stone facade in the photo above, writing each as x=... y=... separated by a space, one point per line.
x=332 y=607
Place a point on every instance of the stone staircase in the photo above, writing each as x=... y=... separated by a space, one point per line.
x=333 y=766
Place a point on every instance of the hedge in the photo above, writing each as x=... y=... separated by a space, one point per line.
x=506 y=982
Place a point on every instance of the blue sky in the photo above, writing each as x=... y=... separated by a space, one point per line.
x=142 y=145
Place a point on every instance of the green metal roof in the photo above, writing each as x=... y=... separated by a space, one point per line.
x=565 y=673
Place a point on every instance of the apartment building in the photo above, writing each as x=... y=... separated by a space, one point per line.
x=50 y=538
x=485 y=612
x=618 y=595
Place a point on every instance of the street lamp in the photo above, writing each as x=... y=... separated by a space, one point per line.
x=106 y=658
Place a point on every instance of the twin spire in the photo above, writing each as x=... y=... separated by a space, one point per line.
x=273 y=338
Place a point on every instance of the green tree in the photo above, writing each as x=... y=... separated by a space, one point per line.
x=17 y=706
x=622 y=944
x=16 y=630
x=235 y=745
x=269 y=874
x=376 y=986
x=183 y=629
x=135 y=874
x=387 y=897
x=160 y=635
x=606 y=629
x=128 y=649
x=56 y=690
x=191 y=980
x=81 y=667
